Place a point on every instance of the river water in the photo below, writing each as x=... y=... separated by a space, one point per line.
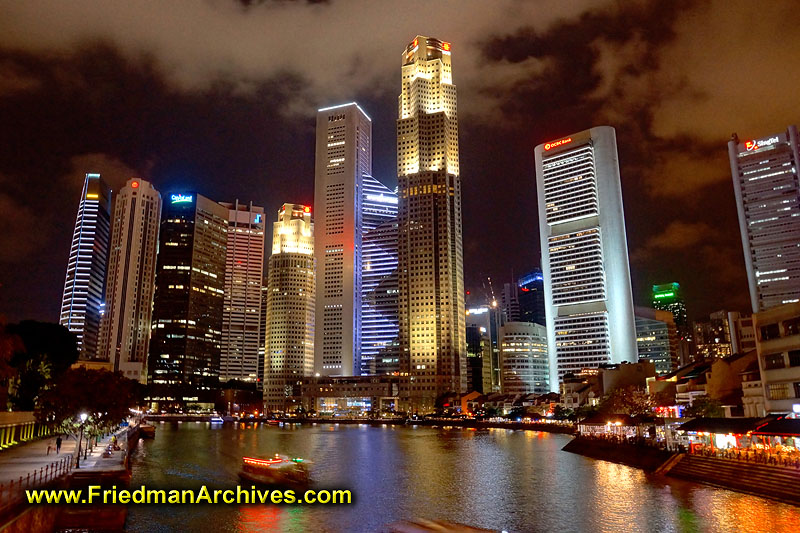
x=497 y=479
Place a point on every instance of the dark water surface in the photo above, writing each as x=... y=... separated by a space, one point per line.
x=499 y=479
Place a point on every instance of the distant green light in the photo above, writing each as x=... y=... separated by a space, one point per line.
x=663 y=295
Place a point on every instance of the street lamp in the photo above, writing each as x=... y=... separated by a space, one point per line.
x=83 y=417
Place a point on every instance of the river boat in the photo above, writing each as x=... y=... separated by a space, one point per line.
x=278 y=470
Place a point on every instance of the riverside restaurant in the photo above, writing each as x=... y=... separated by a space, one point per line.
x=771 y=440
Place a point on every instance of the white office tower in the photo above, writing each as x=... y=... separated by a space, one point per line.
x=289 y=354
x=343 y=157
x=241 y=312
x=588 y=302
x=379 y=293
x=430 y=254
x=85 y=283
x=125 y=336
x=767 y=186
x=523 y=358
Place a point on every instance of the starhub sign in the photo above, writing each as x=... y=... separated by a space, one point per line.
x=182 y=198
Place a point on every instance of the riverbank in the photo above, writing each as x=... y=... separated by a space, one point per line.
x=554 y=427
x=646 y=458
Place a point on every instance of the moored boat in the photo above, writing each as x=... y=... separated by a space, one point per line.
x=147 y=431
x=277 y=470
x=217 y=420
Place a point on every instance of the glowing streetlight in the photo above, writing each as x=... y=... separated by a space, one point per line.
x=83 y=417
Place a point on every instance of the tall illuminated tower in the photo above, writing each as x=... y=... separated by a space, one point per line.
x=125 y=332
x=766 y=181
x=289 y=354
x=85 y=283
x=430 y=254
x=343 y=158
x=379 y=293
x=241 y=314
x=588 y=300
x=183 y=362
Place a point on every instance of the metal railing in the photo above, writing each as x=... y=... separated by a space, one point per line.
x=14 y=491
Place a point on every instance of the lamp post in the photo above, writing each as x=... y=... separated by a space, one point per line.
x=83 y=417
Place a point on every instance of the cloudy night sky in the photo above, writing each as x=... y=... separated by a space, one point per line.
x=220 y=97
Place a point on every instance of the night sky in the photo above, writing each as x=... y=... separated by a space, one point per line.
x=220 y=97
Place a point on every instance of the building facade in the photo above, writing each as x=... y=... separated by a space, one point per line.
x=531 y=297
x=487 y=319
x=766 y=182
x=479 y=359
x=778 y=347
x=712 y=337
x=241 y=315
x=523 y=356
x=588 y=301
x=291 y=289
x=430 y=253
x=657 y=339
x=379 y=352
x=343 y=157
x=85 y=284
x=130 y=284
x=183 y=364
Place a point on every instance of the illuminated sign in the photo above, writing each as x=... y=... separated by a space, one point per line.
x=660 y=295
x=554 y=144
x=763 y=143
x=181 y=198
x=381 y=199
x=446 y=47
x=91 y=196
x=306 y=209
x=257 y=220
x=135 y=184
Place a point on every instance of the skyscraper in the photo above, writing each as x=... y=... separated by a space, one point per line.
x=510 y=300
x=289 y=353
x=343 y=157
x=188 y=308
x=523 y=358
x=657 y=338
x=669 y=297
x=126 y=325
x=587 y=280
x=531 y=297
x=241 y=315
x=85 y=284
x=766 y=181
x=379 y=293
x=430 y=254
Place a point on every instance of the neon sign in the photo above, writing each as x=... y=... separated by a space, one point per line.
x=554 y=144
x=306 y=209
x=181 y=198
x=664 y=295
x=446 y=47
x=257 y=220
x=755 y=145
x=135 y=185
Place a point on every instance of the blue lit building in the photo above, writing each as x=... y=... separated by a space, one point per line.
x=85 y=283
x=531 y=297
x=379 y=290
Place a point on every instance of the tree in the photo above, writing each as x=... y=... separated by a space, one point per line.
x=45 y=352
x=562 y=413
x=705 y=407
x=106 y=397
x=630 y=400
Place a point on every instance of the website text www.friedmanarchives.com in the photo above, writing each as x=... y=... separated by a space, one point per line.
x=95 y=494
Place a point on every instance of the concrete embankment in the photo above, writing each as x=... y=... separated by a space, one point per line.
x=643 y=457
x=776 y=482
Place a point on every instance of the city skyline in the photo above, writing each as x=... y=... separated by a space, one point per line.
x=180 y=147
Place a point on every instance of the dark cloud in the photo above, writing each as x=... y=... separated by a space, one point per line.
x=220 y=98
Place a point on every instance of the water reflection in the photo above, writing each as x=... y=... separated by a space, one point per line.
x=499 y=479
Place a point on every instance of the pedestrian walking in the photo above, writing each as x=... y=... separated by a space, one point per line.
x=58 y=445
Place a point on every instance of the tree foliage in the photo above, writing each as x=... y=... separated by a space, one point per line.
x=705 y=407
x=630 y=400
x=41 y=352
x=106 y=397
